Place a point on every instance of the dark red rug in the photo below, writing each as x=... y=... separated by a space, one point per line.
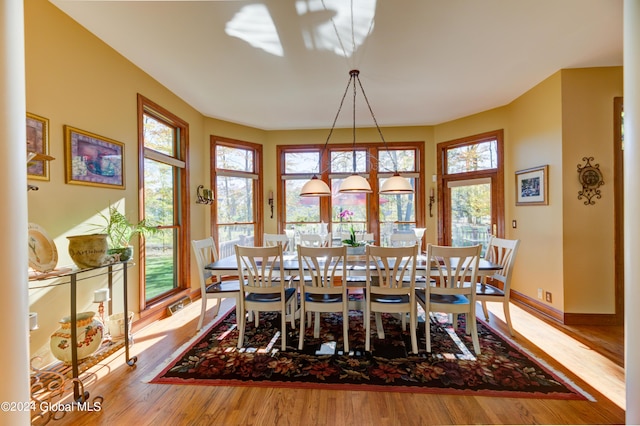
x=503 y=368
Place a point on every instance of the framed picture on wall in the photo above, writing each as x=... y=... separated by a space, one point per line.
x=532 y=188
x=37 y=147
x=93 y=160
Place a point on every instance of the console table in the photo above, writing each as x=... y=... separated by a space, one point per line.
x=71 y=277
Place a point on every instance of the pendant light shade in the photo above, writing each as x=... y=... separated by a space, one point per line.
x=315 y=188
x=396 y=185
x=355 y=184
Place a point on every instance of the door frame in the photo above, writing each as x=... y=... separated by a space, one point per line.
x=496 y=175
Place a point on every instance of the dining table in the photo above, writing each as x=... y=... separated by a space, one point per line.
x=356 y=267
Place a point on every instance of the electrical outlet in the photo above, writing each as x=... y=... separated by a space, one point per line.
x=540 y=293
x=547 y=296
x=514 y=224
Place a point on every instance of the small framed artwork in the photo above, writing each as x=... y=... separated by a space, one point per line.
x=93 y=160
x=37 y=146
x=532 y=188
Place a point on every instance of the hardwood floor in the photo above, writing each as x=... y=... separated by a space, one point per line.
x=128 y=400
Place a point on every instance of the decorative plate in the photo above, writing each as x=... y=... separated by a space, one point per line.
x=43 y=255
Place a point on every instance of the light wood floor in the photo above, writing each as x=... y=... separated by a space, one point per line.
x=128 y=400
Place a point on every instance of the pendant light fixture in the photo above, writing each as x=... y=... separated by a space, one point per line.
x=356 y=183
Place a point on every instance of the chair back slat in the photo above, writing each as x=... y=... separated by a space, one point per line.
x=260 y=267
x=324 y=267
x=502 y=252
x=456 y=266
x=395 y=267
x=205 y=253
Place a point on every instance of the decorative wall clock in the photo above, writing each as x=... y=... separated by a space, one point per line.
x=590 y=178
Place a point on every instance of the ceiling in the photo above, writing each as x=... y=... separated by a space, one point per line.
x=278 y=64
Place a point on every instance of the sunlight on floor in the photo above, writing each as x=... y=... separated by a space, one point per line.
x=598 y=371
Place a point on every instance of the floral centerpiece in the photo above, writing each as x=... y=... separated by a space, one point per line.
x=352 y=241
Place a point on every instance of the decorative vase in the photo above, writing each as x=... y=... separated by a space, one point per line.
x=124 y=253
x=88 y=251
x=115 y=324
x=357 y=250
x=89 y=331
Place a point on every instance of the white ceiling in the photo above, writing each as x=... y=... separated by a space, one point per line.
x=278 y=64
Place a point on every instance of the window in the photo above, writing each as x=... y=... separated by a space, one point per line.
x=470 y=182
x=237 y=218
x=162 y=179
x=381 y=215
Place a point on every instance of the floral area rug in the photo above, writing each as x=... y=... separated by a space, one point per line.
x=503 y=368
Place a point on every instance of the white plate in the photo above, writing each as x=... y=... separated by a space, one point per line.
x=43 y=255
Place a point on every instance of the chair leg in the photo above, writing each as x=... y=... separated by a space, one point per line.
x=413 y=325
x=507 y=316
x=379 y=327
x=242 y=320
x=345 y=329
x=216 y=310
x=302 y=327
x=427 y=330
x=283 y=329
x=367 y=328
x=203 y=311
x=316 y=326
x=485 y=310
x=474 y=332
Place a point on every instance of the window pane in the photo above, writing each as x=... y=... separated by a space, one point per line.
x=397 y=214
x=235 y=199
x=231 y=235
x=471 y=214
x=158 y=193
x=301 y=162
x=230 y=158
x=158 y=136
x=404 y=159
x=160 y=264
x=300 y=209
x=480 y=156
x=342 y=161
x=353 y=208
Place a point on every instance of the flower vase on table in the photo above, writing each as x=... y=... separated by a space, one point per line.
x=354 y=247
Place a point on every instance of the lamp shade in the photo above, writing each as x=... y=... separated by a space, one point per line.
x=355 y=184
x=315 y=188
x=396 y=185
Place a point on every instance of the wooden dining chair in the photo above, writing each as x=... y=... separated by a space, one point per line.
x=497 y=287
x=453 y=290
x=211 y=286
x=315 y=240
x=263 y=289
x=277 y=239
x=323 y=287
x=392 y=290
x=402 y=239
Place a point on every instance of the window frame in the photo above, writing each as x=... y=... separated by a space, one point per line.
x=258 y=183
x=181 y=203
x=495 y=174
x=372 y=174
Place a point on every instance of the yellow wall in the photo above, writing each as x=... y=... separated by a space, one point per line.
x=73 y=78
x=535 y=139
x=588 y=237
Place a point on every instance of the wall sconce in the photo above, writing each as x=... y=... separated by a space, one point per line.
x=204 y=195
x=271 y=202
x=432 y=201
x=590 y=178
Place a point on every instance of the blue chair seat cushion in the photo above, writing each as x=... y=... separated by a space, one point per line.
x=270 y=297
x=452 y=299
x=389 y=298
x=223 y=287
x=488 y=290
x=323 y=298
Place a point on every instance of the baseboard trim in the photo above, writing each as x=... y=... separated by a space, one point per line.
x=531 y=304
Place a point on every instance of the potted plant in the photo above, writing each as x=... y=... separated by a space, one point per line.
x=120 y=231
x=353 y=245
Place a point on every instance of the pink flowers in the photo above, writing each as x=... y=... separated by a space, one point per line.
x=346 y=214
